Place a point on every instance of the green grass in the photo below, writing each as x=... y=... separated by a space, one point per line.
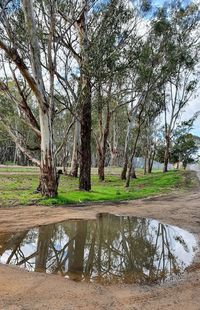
x=17 y=188
x=15 y=169
x=32 y=169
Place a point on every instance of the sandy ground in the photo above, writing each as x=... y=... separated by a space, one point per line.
x=20 y=289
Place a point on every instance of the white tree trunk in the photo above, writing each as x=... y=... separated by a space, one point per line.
x=76 y=150
x=48 y=178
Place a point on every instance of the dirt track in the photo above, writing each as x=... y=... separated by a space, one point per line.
x=23 y=290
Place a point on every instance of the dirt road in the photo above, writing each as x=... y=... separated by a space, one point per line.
x=22 y=290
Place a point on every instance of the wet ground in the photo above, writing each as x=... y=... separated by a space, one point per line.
x=20 y=289
x=109 y=250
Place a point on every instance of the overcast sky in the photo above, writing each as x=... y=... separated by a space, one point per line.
x=193 y=105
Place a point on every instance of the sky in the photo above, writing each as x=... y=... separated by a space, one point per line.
x=193 y=105
x=161 y=2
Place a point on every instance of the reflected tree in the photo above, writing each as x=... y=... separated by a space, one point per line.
x=111 y=249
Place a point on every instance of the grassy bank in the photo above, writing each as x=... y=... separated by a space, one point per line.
x=17 y=188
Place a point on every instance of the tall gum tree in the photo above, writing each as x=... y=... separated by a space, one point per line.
x=34 y=78
x=116 y=28
x=47 y=165
x=176 y=30
x=85 y=99
x=76 y=150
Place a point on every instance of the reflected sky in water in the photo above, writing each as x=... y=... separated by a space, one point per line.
x=111 y=249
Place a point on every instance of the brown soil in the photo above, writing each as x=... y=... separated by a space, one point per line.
x=20 y=289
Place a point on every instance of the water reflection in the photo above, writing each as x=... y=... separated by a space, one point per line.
x=111 y=249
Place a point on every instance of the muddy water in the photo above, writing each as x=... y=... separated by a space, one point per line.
x=111 y=249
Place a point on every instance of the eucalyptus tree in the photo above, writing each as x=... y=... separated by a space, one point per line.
x=76 y=150
x=116 y=137
x=114 y=41
x=146 y=104
x=109 y=66
x=97 y=42
x=30 y=49
x=85 y=19
x=165 y=63
x=142 y=112
x=131 y=112
x=184 y=150
x=175 y=28
x=35 y=40
x=85 y=97
x=185 y=145
x=150 y=141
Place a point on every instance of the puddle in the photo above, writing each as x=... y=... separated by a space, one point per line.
x=111 y=249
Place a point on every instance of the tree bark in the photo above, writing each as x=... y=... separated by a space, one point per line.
x=76 y=151
x=102 y=144
x=166 y=156
x=151 y=160
x=125 y=166
x=85 y=101
x=133 y=151
x=114 y=144
x=133 y=173
x=149 y=165
x=48 y=176
x=145 y=162
x=113 y=154
x=101 y=164
x=85 y=148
